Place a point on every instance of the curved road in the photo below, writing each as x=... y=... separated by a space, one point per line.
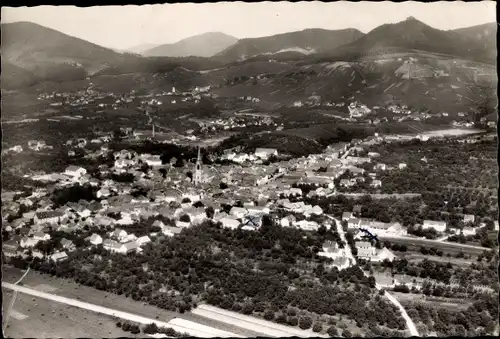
x=409 y=323
x=179 y=325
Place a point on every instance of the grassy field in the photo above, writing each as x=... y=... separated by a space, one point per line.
x=448 y=303
x=414 y=244
x=417 y=257
x=40 y=318
x=70 y=289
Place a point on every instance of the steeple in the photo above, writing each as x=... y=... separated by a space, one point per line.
x=198 y=171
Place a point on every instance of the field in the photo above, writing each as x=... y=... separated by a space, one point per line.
x=70 y=289
x=448 y=303
x=417 y=257
x=40 y=318
x=414 y=244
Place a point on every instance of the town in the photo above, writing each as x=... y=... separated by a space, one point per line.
x=199 y=172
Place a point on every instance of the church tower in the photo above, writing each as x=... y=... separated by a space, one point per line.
x=198 y=171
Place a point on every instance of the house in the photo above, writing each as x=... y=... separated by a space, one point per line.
x=143 y=240
x=468 y=231
x=495 y=223
x=68 y=244
x=368 y=252
x=469 y=218
x=170 y=231
x=331 y=250
x=40 y=236
x=376 y=183
x=402 y=166
x=128 y=238
x=347 y=216
x=103 y=193
x=10 y=248
x=307 y=225
x=47 y=217
x=373 y=154
x=229 y=222
x=380 y=166
x=75 y=171
x=110 y=245
x=59 y=256
x=265 y=153
x=353 y=223
x=127 y=247
x=28 y=242
x=341 y=263
x=238 y=212
x=288 y=220
x=383 y=254
x=95 y=239
x=439 y=226
x=119 y=234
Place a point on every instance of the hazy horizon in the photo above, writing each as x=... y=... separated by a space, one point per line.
x=123 y=27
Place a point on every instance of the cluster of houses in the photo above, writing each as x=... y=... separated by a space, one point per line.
x=259 y=155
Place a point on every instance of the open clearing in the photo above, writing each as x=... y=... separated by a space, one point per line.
x=179 y=325
x=449 y=303
x=70 y=289
x=417 y=257
x=446 y=247
x=33 y=317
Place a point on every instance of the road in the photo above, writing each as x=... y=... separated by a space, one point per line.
x=179 y=325
x=409 y=323
x=262 y=327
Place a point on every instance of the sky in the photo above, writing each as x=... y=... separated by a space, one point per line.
x=122 y=27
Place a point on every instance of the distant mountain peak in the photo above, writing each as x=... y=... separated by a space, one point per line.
x=201 y=45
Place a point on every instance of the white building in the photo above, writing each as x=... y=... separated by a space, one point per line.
x=229 y=222
x=143 y=240
x=75 y=171
x=439 y=226
x=265 y=153
x=95 y=239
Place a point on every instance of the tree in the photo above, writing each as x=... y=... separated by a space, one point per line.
x=269 y=315
x=346 y=333
x=317 y=327
x=210 y=212
x=293 y=321
x=332 y=331
x=185 y=218
x=305 y=322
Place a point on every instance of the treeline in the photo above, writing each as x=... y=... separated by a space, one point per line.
x=74 y=193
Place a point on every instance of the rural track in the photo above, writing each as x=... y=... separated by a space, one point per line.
x=179 y=325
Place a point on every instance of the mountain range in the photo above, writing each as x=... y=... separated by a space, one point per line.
x=304 y=42
x=32 y=53
x=203 y=45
